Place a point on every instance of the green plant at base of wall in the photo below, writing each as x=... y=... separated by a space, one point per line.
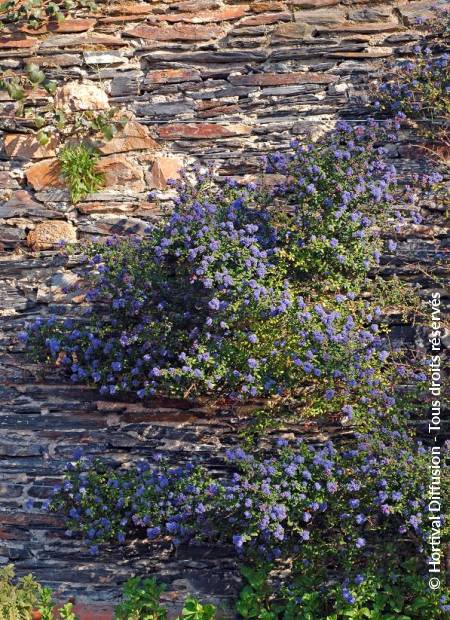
x=397 y=591
x=66 y=612
x=194 y=610
x=141 y=601
x=47 y=604
x=78 y=169
x=17 y=600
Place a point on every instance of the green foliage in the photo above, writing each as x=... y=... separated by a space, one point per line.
x=13 y=88
x=289 y=503
x=46 y=604
x=396 y=297
x=66 y=612
x=78 y=169
x=107 y=123
x=417 y=91
x=19 y=87
x=253 y=601
x=194 y=610
x=86 y=124
x=141 y=601
x=277 y=303
x=34 y=13
x=397 y=591
x=17 y=600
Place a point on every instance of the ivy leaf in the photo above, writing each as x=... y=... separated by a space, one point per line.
x=15 y=91
x=53 y=9
x=50 y=86
x=109 y=131
x=60 y=117
x=35 y=75
x=39 y=122
x=43 y=138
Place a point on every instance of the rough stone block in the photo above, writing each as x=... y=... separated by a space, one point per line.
x=16 y=42
x=320 y=17
x=133 y=137
x=78 y=96
x=202 y=17
x=49 y=234
x=281 y=79
x=22 y=205
x=202 y=131
x=163 y=169
x=120 y=173
x=173 y=76
x=176 y=33
x=46 y=173
x=26 y=146
x=68 y=25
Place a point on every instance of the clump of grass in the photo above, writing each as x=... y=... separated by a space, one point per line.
x=78 y=169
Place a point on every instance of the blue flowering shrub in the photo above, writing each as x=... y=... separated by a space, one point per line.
x=263 y=293
x=418 y=88
x=341 y=512
x=285 y=502
x=245 y=292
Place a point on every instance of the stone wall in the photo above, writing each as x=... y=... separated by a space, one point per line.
x=201 y=80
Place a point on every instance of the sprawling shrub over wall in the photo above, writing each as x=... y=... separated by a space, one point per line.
x=296 y=499
x=245 y=292
x=262 y=291
x=337 y=515
x=419 y=90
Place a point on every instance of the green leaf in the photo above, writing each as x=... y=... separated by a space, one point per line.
x=35 y=75
x=39 y=121
x=108 y=132
x=43 y=138
x=50 y=86
x=15 y=91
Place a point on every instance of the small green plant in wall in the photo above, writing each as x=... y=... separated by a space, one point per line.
x=78 y=164
x=20 y=87
x=84 y=124
x=35 y=13
x=91 y=126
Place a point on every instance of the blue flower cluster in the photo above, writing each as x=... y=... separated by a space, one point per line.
x=290 y=502
x=418 y=89
x=246 y=292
